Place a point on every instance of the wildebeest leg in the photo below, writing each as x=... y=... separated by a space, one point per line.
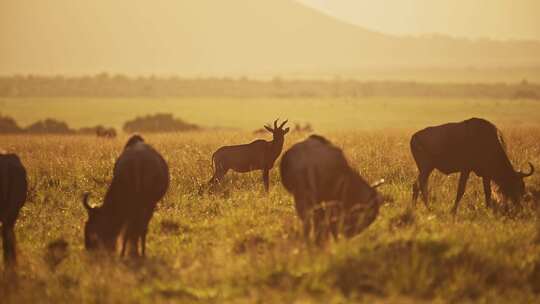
x=133 y=239
x=487 y=191
x=125 y=237
x=416 y=191
x=307 y=220
x=463 y=177
x=130 y=241
x=423 y=178
x=301 y=205
x=322 y=225
x=337 y=221
x=143 y=238
x=266 y=179
x=8 y=236
x=143 y=243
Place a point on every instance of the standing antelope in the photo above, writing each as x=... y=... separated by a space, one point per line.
x=257 y=155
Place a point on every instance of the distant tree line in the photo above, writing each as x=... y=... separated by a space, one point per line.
x=145 y=124
x=105 y=85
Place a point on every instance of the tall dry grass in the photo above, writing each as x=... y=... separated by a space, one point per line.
x=243 y=246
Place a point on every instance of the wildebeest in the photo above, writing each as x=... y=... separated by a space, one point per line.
x=13 y=189
x=257 y=155
x=315 y=171
x=140 y=180
x=474 y=145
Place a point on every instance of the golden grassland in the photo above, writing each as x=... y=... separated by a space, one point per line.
x=243 y=246
x=325 y=114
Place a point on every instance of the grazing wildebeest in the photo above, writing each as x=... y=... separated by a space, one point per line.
x=257 y=155
x=474 y=145
x=13 y=189
x=326 y=188
x=105 y=132
x=140 y=180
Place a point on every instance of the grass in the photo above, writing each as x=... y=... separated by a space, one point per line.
x=325 y=114
x=243 y=246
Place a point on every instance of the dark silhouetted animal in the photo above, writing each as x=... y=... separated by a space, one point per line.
x=257 y=155
x=140 y=180
x=474 y=145
x=13 y=189
x=105 y=132
x=326 y=190
x=306 y=128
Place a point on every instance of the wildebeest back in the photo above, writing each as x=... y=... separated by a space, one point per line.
x=141 y=171
x=327 y=190
x=453 y=146
x=320 y=172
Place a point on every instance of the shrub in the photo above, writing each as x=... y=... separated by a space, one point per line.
x=158 y=123
x=49 y=126
x=8 y=125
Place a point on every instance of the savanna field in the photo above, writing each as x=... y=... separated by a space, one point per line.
x=240 y=245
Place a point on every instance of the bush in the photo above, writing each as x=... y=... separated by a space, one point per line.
x=8 y=125
x=50 y=126
x=158 y=123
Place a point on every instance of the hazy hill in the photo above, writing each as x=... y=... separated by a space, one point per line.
x=233 y=37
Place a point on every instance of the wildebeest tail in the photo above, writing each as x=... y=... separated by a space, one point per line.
x=500 y=137
x=214 y=162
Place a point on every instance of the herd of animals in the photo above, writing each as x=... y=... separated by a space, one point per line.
x=330 y=196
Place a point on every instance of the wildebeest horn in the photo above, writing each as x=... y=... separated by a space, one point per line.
x=281 y=126
x=85 y=201
x=378 y=183
x=275 y=123
x=530 y=172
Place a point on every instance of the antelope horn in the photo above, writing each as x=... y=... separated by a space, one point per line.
x=531 y=172
x=85 y=201
x=281 y=126
x=275 y=123
x=378 y=183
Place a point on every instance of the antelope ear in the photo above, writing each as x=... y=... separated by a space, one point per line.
x=286 y=130
x=269 y=129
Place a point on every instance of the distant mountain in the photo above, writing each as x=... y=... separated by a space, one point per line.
x=220 y=38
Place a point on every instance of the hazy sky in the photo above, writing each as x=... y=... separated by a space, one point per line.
x=246 y=37
x=500 y=19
